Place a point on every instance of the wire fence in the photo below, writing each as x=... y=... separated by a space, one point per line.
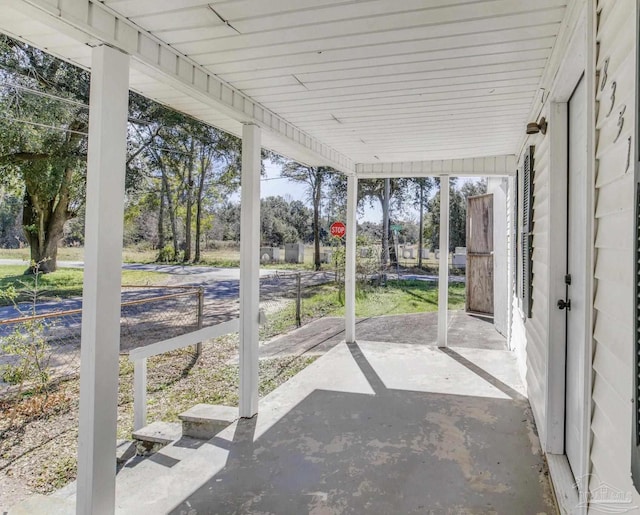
x=45 y=347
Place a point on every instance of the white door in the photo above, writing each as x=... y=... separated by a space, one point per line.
x=576 y=263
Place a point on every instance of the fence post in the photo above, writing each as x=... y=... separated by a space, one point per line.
x=200 y=315
x=139 y=393
x=298 y=299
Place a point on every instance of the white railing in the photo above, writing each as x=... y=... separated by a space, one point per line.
x=139 y=358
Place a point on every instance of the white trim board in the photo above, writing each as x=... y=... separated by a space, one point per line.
x=499 y=166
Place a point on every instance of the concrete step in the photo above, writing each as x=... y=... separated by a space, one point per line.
x=154 y=484
x=204 y=421
x=45 y=505
x=153 y=437
x=144 y=468
x=125 y=450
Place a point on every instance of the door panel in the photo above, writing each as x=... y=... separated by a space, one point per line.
x=479 y=268
x=576 y=264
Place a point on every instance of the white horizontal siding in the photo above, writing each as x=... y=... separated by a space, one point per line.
x=611 y=424
x=530 y=336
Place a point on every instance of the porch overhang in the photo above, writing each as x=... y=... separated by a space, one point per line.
x=329 y=83
x=373 y=89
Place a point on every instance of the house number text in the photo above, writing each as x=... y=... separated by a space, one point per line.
x=614 y=85
x=605 y=67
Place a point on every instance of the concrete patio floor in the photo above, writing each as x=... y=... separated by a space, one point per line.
x=369 y=428
x=319 y=336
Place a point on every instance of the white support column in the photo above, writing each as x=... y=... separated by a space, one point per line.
x=350 y=260
x=100 y=344
x=249 y=269
x=443 y=272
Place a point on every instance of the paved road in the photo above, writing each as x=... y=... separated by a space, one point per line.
x=220 y=284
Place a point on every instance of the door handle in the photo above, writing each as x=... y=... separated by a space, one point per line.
x=562 y=304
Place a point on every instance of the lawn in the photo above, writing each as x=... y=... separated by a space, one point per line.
x=396 y=297
x=65 y=282
x=227 y=256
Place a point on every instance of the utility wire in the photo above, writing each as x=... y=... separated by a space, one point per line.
x=44 y=126
x=46 y=95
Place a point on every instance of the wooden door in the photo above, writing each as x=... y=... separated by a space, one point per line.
x=480 y=254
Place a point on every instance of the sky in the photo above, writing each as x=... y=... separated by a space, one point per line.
x=273 y=185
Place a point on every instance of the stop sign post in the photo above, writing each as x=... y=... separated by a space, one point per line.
x=338 y=229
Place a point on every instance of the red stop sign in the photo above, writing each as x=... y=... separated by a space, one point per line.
x=338 y=229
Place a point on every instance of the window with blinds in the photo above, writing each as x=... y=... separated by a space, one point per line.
x=526 y=233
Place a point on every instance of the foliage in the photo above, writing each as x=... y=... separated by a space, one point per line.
x=44 y=123
x=314 y=177
x=27 y=345
x=11 y=235
x=457 y=213
x=284 y=222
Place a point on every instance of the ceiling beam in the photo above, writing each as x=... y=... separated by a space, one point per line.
x=93 y=23
x=472 y=167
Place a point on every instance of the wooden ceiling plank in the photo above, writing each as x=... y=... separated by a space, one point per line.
x=285 y=80
x=339 y=91
x=371 y=55
x=429 y=19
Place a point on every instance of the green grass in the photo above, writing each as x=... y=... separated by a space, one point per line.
x=396 y=298
x=65 y=282
x=226 y=256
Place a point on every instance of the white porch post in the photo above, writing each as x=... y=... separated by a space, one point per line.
x=100 y=343
x=249 y=269
x=350 y=260
x=443 y=272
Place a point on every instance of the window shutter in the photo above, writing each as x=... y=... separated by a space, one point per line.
x=514 y=233
x=527 y=232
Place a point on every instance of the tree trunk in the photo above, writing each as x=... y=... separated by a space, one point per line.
x=385 y=258
x=43 y=222
x=187 y=233
x=161 y=220
x=203 y=170
x=172 y=214
x=317 y=195
x=420 y=235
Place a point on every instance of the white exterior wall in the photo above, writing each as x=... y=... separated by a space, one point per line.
x=611 y=423
x=613 y=224
x=530 y=336
x=497 y=186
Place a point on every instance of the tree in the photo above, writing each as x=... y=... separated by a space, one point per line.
x=315 y=178
x=384 y=191
x=457 y=212
x=43 y=141
x=44 y=123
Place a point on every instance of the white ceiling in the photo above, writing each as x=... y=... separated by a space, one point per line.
x=376 y=80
